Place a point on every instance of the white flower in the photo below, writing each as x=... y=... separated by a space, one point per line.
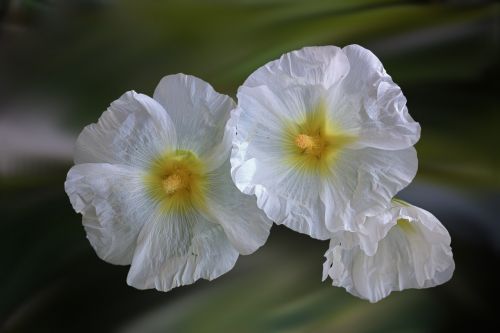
x=415 y=252
x=323 y=138
x=152 y=181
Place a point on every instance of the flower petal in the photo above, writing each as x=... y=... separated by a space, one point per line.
x=199 y=114
x=362 y=182
x=246 y=226
x=112 y=204
x=284 y=202
x=415 y=253
x=365 y=68
x=133 y=129
x=323 y=65
x=371 y=230
x=384 y=119
x=176 y=250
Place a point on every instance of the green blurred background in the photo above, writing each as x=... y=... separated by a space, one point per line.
x=63 y=62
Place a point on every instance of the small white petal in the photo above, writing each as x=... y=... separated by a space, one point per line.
x=109 y=198
x=134 y=129
x=415 y=253
x=175 y=250
x=246 y=226
x=199 y=114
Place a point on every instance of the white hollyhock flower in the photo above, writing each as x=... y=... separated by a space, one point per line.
x=415 y=252
x=152 y=181
x=323 y=138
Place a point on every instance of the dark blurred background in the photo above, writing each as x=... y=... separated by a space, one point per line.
x=63 y=62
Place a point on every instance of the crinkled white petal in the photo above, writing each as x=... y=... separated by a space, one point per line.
x=176 y=250
x=371 y=229
x=289 y=206
x=361 y=184
x=384 y=119
x=323 y=65
x=112 y=204
x=414 y=254
x=246 y=226
x=134 y=129
x=199 y=114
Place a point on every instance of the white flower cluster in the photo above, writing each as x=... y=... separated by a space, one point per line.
x=179 y=185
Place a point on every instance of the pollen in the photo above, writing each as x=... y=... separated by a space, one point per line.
x=312 y=145
x=177 y=181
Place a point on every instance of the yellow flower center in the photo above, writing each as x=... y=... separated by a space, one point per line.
x=313 y=143
x=405 y=225
x=177 y=182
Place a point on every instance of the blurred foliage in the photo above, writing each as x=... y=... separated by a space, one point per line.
x=81 y=55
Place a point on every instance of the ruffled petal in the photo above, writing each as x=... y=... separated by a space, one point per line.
x=415 y=253
x=134 y=129
x=113 y=207
x=199 y=114
x=246 y=226
x=323 y=65
x=294 y=203
x=361 y=184
x=371 y=229
x=365 y=69
x=177 y=250
x=384 y=121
